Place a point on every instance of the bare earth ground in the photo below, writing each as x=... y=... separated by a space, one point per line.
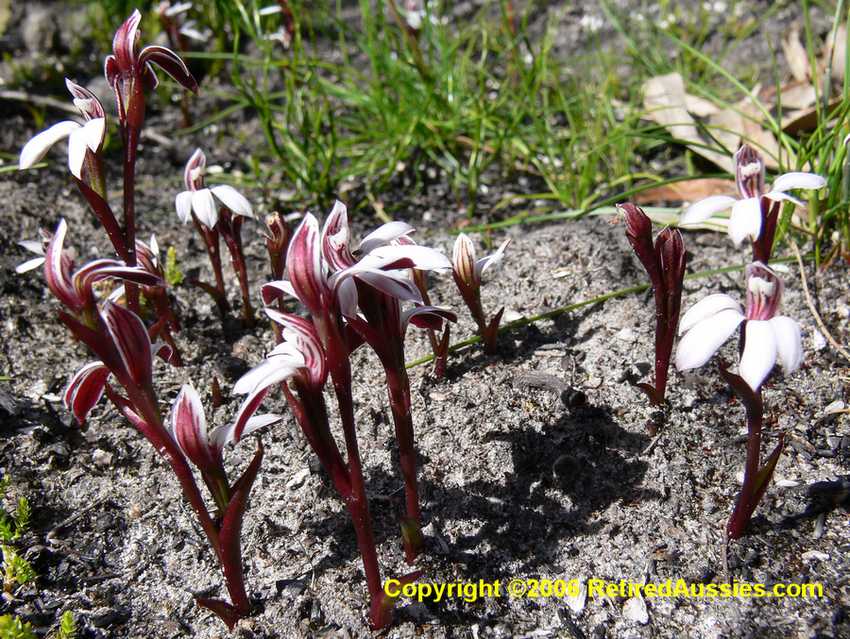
x=517 y=480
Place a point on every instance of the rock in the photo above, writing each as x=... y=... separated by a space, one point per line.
x=626 y=335
x=101 y=458
x=814 y=555
x=635 y=610
x=298 y=479
x=104 y=617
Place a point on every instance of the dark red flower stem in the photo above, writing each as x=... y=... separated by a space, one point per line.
x=217 y=292
x=398 y=388
x=763 y=246
x=131 y=143
x=357 y=502
x=756 y=477
x=231 y=232
x=382 y=330
x=664 y=262
x=488 y=330
x=439 y=345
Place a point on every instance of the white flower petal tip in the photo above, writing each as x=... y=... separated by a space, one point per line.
x=183 y=204
x=707 y=307
x=798 y=180
x=38 y=146
x=204 y=207
x=705 y=209
x=789 y=342
x=759 y=356
x=705 y=338
x=233 y=200
x=745 y=221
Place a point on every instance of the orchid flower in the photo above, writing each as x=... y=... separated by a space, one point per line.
x=352 y=296
x=198 y=203
x=467 y=272
x=75 y=289
x=36 y=247
x=201 y=201
x=129 y=72
x=755 y=213
x=664 y=262
x=766 y=336
x=375 y=313
x=122 y=344
x=83 y=139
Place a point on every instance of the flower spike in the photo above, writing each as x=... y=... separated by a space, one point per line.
x=664 y=262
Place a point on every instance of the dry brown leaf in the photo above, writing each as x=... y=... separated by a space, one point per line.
x=795 y=54
x=666 y=103
x=700 y=107
x=686 y=191
x=732 y=125
x=798 y=95
x=806 y=119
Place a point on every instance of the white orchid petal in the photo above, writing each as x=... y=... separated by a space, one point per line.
x=29 y=265
x=383 y=235
x=38 y=146
x=745 y=220
x=798 y=180
x=392 y=284
x=33 y=246
x=269 y=371
x=183 y=203
x=491 y=260
x=347 y=295
x=759 y=356
x=94 y=131
x=77 y=148
x=421 y=257
x=233 y=199
x=204 y=207
x=703 y=340
x=707 y=307
x=789 y=344
x=706 y=208
x=779 y=196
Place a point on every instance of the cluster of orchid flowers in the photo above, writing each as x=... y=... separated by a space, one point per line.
x=350 y=296
x=368 y=294
x=766 y=337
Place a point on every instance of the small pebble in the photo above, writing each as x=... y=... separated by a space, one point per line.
x=814 y=555
x=101 y=458
x=298 y=478
x=635 y=610
x=626 y=335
